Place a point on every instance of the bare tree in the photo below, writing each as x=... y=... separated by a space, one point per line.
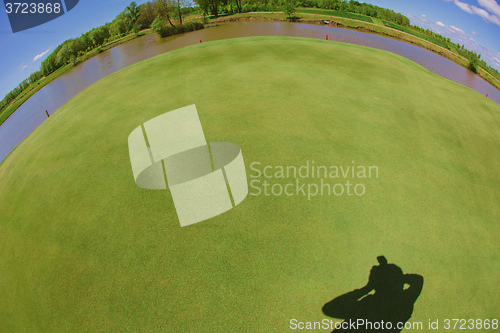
x=164 y=8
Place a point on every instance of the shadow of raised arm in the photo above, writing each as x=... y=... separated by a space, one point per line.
x=416 y=283
x=391 y=303
x=346 y=305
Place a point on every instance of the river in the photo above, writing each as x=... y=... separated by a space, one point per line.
x=51 y=97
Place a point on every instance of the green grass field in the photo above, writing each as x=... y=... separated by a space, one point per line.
x=83 y=249
x=417 y=34
x=335 y=13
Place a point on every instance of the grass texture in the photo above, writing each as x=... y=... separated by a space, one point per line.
x=83 y=249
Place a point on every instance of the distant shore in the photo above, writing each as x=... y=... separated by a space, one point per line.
x=342 y=22
x=35 y=87
x=331 y=20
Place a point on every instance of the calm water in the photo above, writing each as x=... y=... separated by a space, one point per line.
x=32 y=113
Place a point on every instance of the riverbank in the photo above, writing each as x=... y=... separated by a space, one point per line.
x=343 y=22
x=308 y=18
x=35 y=87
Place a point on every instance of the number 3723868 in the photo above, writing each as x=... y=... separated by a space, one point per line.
x=463 y=324
x=32 y=8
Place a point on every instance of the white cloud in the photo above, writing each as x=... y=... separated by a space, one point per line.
x=473 y=32
x=491 y=5
x=451 y=29
x=38 y=56
x=22 y=66
x=456 y=29
x=493 y=60
x=464 y=6
x=485 y=15
x=423 y=15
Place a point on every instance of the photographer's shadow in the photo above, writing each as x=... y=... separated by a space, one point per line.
x=391 y=304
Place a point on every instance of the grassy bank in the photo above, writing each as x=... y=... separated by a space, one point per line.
x=307 y=15
x=369 y=24
x=353 y=16
x=35 y=87
x=83 y=249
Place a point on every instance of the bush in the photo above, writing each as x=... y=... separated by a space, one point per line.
x=158 y=26
x=190 y=26
x=289 y=9
x=252 y=8
x=258 y=7
x=229 y=8
x=472 y=67
x=135 y=28
x=198 y=25
x=170 y=31
x=270 y=7
x=473 y=63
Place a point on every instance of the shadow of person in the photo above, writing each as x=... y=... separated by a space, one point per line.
x=386 y=310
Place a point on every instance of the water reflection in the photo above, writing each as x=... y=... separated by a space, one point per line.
x=32 y=113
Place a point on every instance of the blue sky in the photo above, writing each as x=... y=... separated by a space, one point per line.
x=475 y=23
x=21 y=53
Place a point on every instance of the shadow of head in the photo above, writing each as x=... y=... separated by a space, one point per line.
x=386 y=278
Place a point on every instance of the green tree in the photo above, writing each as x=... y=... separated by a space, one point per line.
x=99 y=35
x=179 y=13
x=164 y=8
x=64 y=54
x=238 y=5
x=146 y=14
x=209 y=6
x=158 y=26
x=289 y=9
x=131 y=15
x=118 y=27
x=473 y=62
x=35 y=76
x=86 y=40
x=78 y=46
x=48 y=65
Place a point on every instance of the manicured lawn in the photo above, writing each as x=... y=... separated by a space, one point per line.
x=335 y=13
x=418 y=34
x=83 y=249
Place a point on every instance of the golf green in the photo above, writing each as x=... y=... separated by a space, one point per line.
x=83 y=248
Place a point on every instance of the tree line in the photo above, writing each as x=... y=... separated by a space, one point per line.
x=216 y=7
x=473 y=58
x=131 y=20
